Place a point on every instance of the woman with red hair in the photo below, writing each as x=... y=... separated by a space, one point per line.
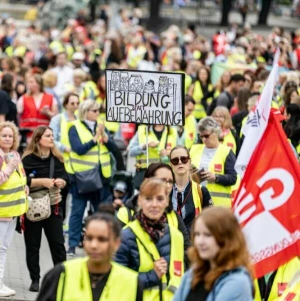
x=219 y=260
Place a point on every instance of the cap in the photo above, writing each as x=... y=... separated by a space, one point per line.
x=120 y=186
x=78 y=56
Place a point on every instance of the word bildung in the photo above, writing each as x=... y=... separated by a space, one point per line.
x=145 y=97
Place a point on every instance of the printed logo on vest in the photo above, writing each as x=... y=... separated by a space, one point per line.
x=177 y=268
x=281 y=288
x=192 y=136
x=169 y=145
x=218 y=168
x=229 y=144
x=290 y=297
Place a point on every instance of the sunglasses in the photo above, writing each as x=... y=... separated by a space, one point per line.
x=183 y=159
x=205 y=136
x=95 y=111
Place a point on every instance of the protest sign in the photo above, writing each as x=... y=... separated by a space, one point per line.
x=145 y=97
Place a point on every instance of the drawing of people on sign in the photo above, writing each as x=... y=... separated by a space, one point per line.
x=149 y=87
x=145 y=97
x=124 y=85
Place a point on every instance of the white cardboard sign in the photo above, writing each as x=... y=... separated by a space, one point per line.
x=145 y=97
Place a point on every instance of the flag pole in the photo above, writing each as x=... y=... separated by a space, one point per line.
x=147 y=146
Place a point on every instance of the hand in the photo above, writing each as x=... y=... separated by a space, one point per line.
x=153 y=144
x=12 y=163
x=118 y=203
x=68 y=149
x=59 y=183
x=46 y=111
x=160 y=267
x=48 y=183
x=164 y=153
x=208 y=176
x=27 y=190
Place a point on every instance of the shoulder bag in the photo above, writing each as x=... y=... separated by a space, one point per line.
x=39 y=208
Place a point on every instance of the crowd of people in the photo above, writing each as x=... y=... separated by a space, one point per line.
x=59 y=158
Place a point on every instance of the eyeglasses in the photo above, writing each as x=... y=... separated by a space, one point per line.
x=169 y=182
x=95 y=111
x=206 y=136
x=74 y=103
x=183 y=159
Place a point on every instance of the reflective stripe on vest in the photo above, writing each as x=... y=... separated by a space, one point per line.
x=91 y=158
x=190 y=131
x=166 y=142
x=13 y=200
x=176 y=266
x=199 y=111
x=284 y=275
x=221 y=195
x=74 y=283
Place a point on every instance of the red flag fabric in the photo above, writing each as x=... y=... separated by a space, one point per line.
x=267 y=203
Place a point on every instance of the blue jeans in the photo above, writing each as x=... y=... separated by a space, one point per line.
x=79 y=202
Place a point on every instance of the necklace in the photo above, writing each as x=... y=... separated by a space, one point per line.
x=96 y=279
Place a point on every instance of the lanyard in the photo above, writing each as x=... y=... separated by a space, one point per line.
x=179 y=208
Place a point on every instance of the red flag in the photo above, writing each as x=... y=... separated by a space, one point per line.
x=267 y=204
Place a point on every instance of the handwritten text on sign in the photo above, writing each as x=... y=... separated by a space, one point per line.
x=144 y=97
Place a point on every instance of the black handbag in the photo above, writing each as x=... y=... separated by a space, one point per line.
x=89 y=180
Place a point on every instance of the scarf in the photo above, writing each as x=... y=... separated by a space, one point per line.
x=156 y=229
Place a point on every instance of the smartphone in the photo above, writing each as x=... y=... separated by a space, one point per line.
x=196 y=176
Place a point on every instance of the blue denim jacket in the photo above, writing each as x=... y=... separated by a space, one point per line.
x=232 y=285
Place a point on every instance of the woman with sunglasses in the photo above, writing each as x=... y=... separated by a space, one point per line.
x=163 y=172
x=188 y=197
x=91 y=147
x=151 y=247
x=161 y=139
x=215 y=162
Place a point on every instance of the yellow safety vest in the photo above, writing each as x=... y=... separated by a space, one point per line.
x=113 y=127
x=64 y=139
x=91 y=158
x=74 y=283
x=123 y=216
x=199 y=111
x=90 y=91
x=13 y=200
x=284 y=275
x=221 y=195
x=176 y=268
x=135 y=56
x=166 y=142
x=298 y=149
x=230 y=141
x=190 y=131
x=292 y=293
x=187 y=81
x=56 y=47
x=196 y=198
x=18 y=51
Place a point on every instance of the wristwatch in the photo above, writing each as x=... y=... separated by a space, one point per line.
x=217 y=178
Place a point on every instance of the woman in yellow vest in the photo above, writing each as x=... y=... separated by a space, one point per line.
x=129 y=210
x=273 y=285
x=161 y=139
x=215 y=161
x=90 y=151
x=199 y=89
x=228 y=135
x=151 y=247
x=188 y=197
x=13 y=191
x=95 y=277
x=221 y=268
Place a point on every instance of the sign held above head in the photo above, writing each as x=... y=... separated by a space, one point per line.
x=145 y=97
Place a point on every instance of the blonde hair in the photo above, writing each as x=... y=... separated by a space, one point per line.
x=12 y=126
x=227 y=118
x=34 y=146
x=49 y=78
x=85 y=106
x=79 y=73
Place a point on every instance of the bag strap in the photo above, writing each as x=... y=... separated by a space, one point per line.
x=200 y=194
x=51 y=173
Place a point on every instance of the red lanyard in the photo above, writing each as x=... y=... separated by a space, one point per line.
x=179 y=208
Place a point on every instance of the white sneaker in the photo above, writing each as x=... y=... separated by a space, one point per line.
x=5 y=291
